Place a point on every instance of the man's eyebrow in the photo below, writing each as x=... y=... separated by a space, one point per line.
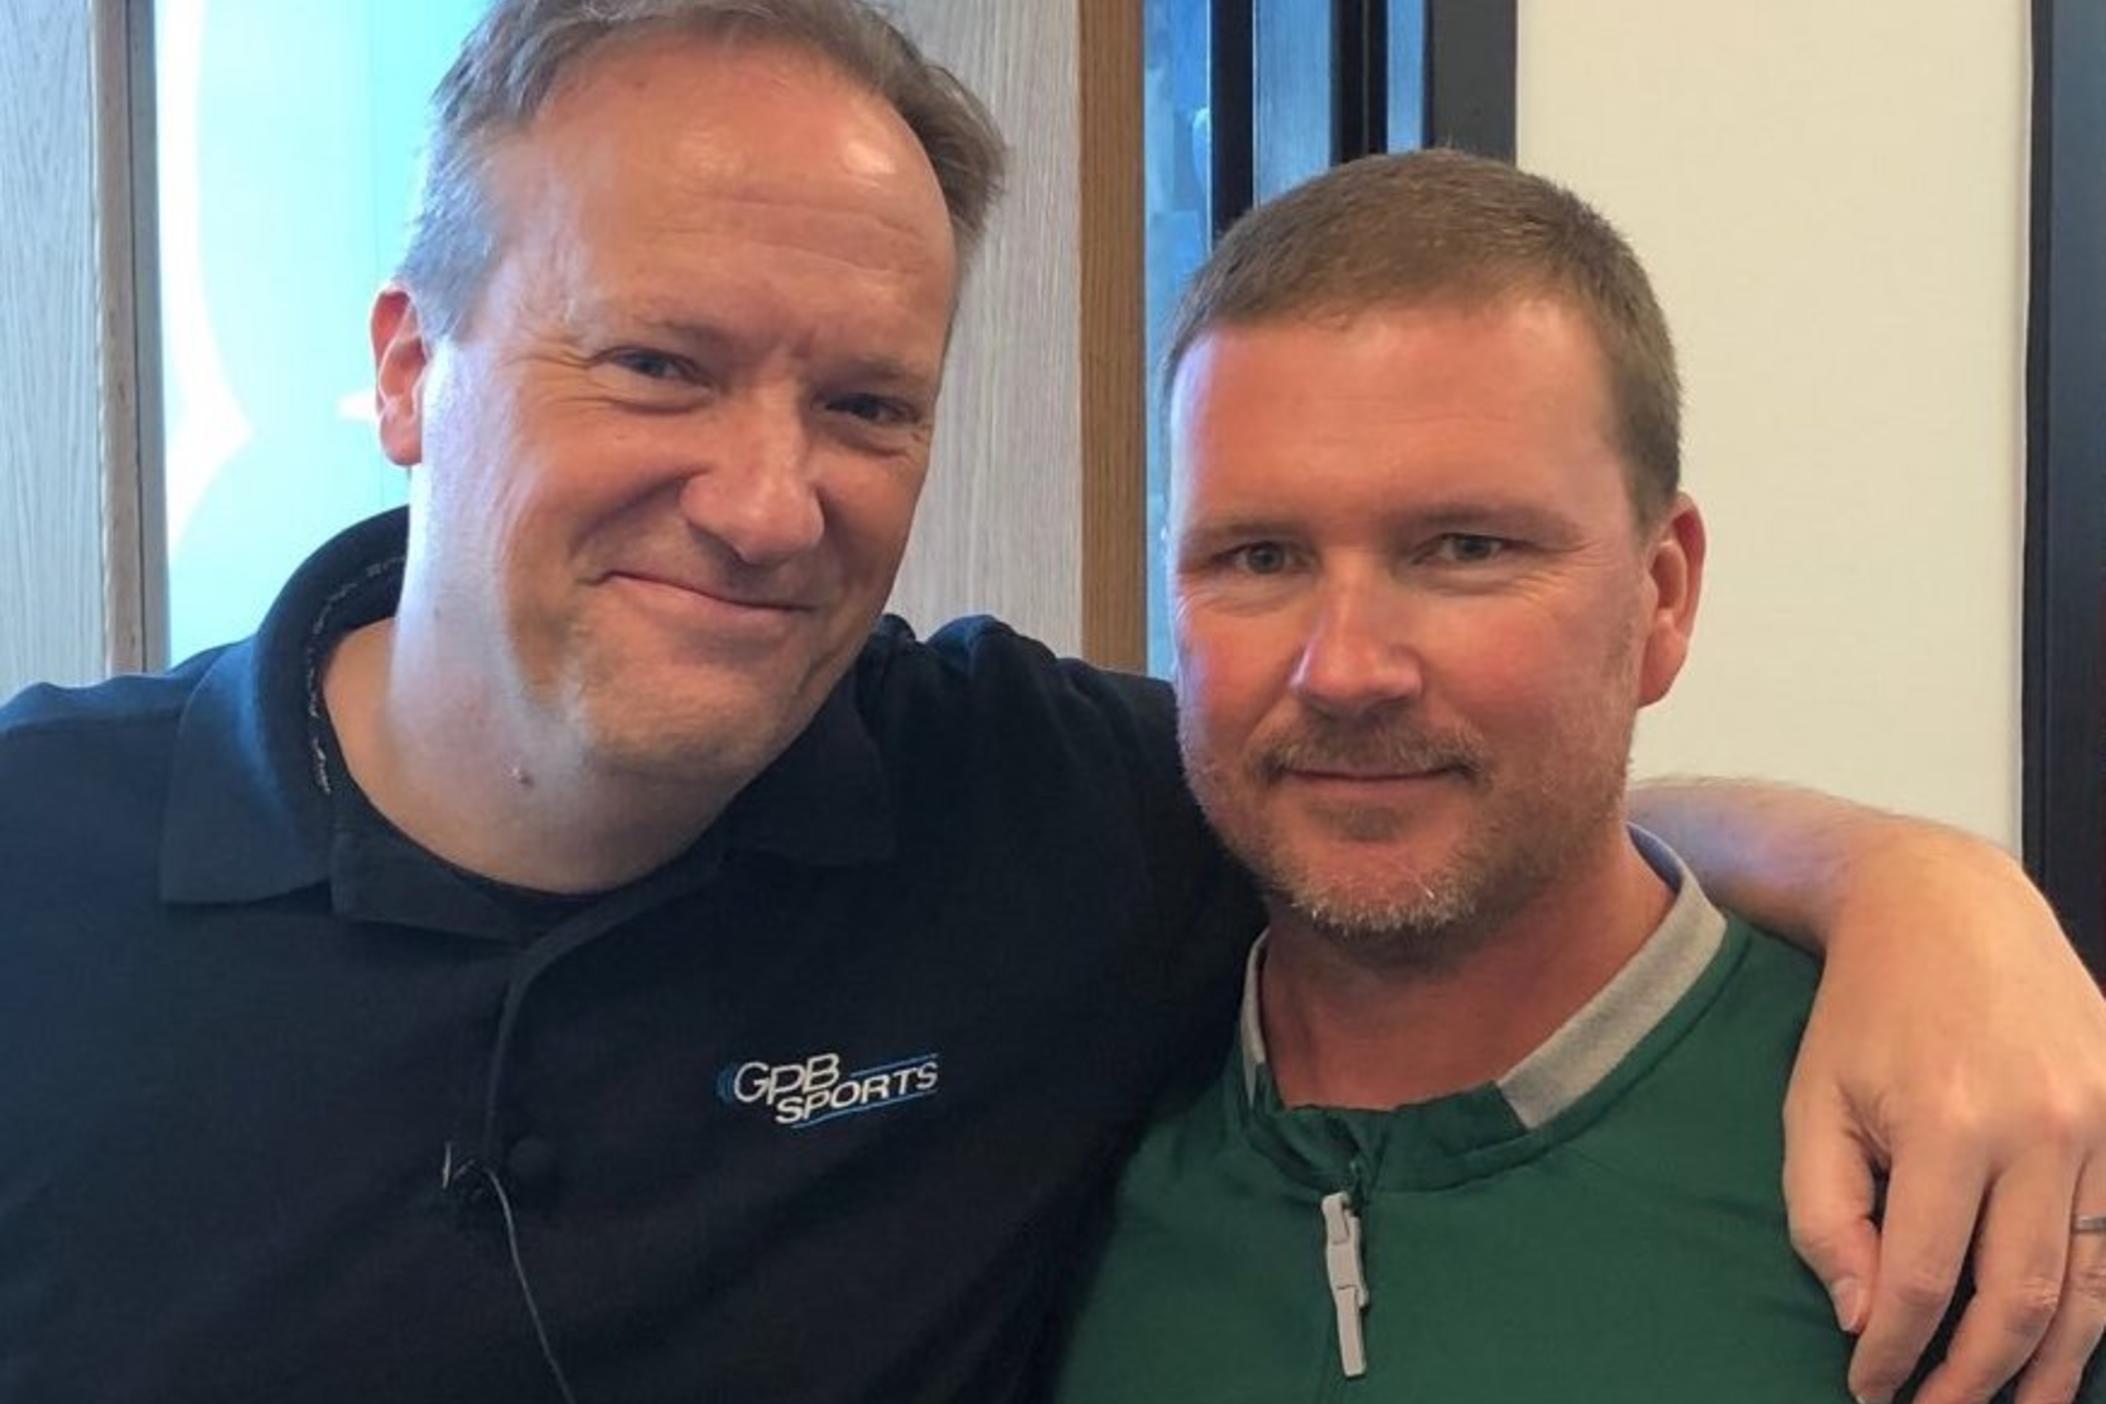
x=693 y=331
x=685 y=328
x=1490 y=518
x=609 y=308
x=889 y=370
x=1219 y=531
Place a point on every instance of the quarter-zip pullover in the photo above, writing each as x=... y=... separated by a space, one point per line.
x=1603 y=1223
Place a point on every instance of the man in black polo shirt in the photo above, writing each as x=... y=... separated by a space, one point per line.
x=569 y=951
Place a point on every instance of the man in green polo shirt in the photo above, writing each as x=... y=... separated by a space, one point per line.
x=1503 y=1122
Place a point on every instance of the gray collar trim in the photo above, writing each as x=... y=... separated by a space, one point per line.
x=1250 y=1026
x=1565 y=1066
x=1568 y=1064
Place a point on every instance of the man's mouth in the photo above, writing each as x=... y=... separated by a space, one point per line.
x=710 y=591
x=708 y=613
x=1357 y=775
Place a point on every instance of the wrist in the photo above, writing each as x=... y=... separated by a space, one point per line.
x=1887 y=865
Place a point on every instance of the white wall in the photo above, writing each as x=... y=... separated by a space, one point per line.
x=1831 y=197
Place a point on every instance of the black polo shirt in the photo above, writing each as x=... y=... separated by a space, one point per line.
x=815 y=1112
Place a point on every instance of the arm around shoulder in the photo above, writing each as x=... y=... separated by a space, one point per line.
x=1958 y=1046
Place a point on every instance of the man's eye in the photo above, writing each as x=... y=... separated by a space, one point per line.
x=876 y=409
x=1260 y=558
x=1463 y=548
x=654 y=365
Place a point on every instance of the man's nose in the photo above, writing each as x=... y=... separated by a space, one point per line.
x=756 y=492
x=1358 y=655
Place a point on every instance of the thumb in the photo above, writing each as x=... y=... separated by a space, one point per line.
x=1828 y=1198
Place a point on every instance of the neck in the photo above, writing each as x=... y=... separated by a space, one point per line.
x=486 y=788
x=1341 y=1033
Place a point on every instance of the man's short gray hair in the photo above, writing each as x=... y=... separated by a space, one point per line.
x=511 y=61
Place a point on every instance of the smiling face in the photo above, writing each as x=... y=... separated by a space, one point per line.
x=1414 y=613
x=670 y=460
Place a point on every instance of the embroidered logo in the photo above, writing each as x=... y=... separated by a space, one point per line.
x=813 y=1090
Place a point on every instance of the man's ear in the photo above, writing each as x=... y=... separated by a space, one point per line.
x=1675 y=571
x=401 y=355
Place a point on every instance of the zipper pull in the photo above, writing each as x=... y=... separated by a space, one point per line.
x=1348 y=1282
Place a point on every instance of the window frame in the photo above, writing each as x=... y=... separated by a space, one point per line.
x=134 y=438
x=2064 y=751
x=1467 y=87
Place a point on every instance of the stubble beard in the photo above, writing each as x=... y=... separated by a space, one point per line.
x=653 y=731
x=1525 y=832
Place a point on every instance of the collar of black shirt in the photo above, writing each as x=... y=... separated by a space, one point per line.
x=260 y=806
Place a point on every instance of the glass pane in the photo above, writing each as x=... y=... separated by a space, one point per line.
x=1407 y=74
x=1179 y=159
x=284 y=184
x=1292 y=47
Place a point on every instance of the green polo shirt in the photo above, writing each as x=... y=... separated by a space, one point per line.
x=1605 y=1222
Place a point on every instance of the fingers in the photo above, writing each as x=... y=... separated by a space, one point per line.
x=1828 y=1199
x=2080 y=1319
x=1932 y=1200
x=2018 y=1278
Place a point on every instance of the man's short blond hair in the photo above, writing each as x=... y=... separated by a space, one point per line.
x=1441 y=228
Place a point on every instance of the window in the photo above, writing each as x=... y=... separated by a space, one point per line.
x=283 y=189
x=1178 y=163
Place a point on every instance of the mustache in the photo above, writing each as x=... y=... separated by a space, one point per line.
x=1380 y=748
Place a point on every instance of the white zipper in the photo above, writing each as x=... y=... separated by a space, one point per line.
x=1348 y=1282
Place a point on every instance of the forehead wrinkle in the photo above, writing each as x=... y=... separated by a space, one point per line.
x=861 y=237
x=844 y=240
x=779 y=213
x=571 y=273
